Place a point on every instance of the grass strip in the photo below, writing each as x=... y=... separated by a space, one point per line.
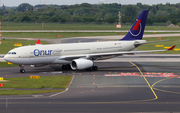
x=43 y=82
x=152 y=46
x=5 y=64
x=25 y=92
x=8 y=44
x=74 y=26
x=53 y=35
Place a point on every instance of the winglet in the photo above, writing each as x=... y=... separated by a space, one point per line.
x=171 y=48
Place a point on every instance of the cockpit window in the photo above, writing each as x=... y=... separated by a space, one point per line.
x=14 y=53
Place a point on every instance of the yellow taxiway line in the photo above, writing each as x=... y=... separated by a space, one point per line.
x=151 y=87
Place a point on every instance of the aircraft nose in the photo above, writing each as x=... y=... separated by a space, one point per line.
x=5 y=57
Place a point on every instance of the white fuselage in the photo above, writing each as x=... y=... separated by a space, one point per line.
x=47 y=54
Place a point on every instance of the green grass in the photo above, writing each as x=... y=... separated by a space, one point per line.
x=58 y=26
x=161 y=28
x=152 y=46
x=5 y=64
x=43 y=82
x=52 y=35
x=74 y=26
x=8 y=44
x=25 y=92
x=27 y=83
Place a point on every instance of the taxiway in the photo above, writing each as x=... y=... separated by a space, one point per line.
x=95 y=92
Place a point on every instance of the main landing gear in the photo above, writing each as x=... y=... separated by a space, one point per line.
x=93 y=68
x=22 y=70
x=66 y=67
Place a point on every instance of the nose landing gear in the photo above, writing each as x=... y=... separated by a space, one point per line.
x=22 y=70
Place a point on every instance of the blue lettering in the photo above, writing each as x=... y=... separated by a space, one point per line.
x=50 y=51
x=42 y=52
x=46 y=53
x=36 y=53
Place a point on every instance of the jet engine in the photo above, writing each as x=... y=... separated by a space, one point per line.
x=81 y=64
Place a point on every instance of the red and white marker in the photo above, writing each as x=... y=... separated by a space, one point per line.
x=38 y=42
x=1 y=85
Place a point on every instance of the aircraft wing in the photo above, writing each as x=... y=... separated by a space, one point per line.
x=98 y=56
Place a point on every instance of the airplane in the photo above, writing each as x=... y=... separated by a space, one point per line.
x=79 y=56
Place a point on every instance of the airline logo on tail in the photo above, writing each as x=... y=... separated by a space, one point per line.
x=136 y=30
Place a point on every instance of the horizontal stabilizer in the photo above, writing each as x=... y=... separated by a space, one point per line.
x=137 y=44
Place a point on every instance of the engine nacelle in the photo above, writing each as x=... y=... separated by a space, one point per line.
x=81 y=64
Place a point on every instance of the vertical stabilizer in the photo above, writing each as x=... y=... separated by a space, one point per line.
x=137 y=30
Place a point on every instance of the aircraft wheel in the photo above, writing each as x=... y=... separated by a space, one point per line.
x=22 y=70
x=63 y=67
x=95 y=68
x=89 y=69
x=68 y=67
